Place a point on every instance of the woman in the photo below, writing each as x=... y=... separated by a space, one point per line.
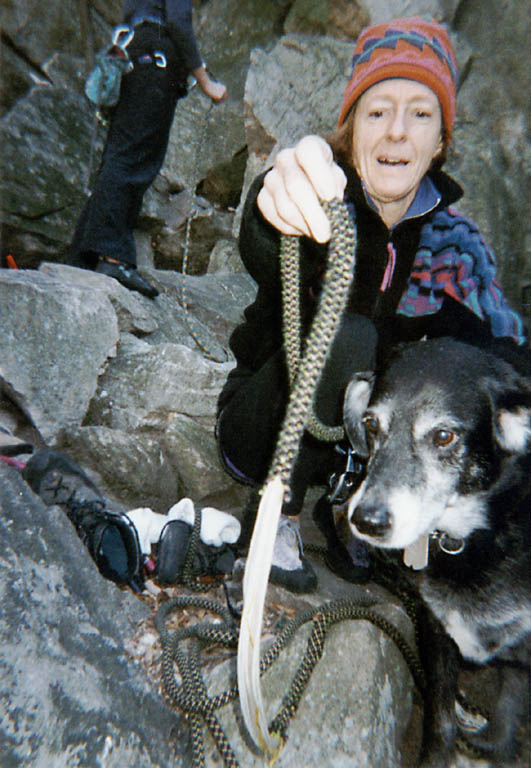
x=422 y=269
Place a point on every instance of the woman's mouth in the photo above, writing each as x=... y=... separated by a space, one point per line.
x=392 y=161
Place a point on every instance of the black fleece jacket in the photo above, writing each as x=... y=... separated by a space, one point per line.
x=260 y=336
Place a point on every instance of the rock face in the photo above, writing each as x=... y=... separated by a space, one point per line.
x=117 y=382
x=47 y=124
x=70 y=694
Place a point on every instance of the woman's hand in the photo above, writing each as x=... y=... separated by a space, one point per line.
x=289 y=198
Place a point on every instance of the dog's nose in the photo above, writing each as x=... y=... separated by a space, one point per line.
x=372 y=521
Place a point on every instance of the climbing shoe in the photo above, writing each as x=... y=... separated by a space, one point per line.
x=290 y=569
x=127 y=275
x=109 y=536
x=181 y=557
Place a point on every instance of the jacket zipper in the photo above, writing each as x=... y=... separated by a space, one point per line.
x=390 y=268
x=387 y=278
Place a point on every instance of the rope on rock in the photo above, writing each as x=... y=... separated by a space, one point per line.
x=191 y=695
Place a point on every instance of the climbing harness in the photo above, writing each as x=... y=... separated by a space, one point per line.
x=194 y=212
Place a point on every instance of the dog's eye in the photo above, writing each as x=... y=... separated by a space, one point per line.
x=371 y=425
x=443 y=437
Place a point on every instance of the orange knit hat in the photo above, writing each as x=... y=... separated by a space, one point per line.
x=410 y=48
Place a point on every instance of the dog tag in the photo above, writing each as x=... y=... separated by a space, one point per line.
x=416 y=555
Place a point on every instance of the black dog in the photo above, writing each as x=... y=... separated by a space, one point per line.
x=447 y=433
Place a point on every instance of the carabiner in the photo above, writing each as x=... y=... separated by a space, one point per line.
x=342 y=485
x=122 y=30
x=160 y=59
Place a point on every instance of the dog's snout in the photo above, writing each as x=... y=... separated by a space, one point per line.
x=372 y=521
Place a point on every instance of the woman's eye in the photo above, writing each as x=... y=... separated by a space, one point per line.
x=422 y=114
x=376 y=113
x=443 y=437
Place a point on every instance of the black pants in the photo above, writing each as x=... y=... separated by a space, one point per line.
x=250 y=422
x=134 y=151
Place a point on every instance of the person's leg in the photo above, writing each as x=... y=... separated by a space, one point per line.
x=248 y=430
x=134 y=152
x=249 y=423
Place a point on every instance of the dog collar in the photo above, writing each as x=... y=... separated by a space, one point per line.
x=416 y=555
x=448 y=544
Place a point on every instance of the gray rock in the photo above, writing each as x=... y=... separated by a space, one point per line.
x=55 y=341
x=357 y=703
x=129 y=465
x=71 y=694
x=309 y=75
x=118 y=382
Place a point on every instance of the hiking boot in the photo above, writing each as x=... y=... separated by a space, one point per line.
x=58 y=480
x=110 y=537
x=127 y=275
x=290 y=569
x=11 y=445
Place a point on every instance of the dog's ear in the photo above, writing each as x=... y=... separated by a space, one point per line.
x=512 y=420
x=357 y=396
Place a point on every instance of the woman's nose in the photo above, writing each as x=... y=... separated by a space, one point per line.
x=397 y=126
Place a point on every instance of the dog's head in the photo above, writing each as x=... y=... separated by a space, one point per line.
x=440 y=428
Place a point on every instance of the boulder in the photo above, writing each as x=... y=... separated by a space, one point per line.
x=357 y=704
x=71 y=693
x=55 y=342
x=75 y=651
x=118 y=382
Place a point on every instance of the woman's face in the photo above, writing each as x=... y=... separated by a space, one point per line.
x=397 y=133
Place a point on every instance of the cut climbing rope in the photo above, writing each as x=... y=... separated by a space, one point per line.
x=304 y=377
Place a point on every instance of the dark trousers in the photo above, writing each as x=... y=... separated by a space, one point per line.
x=250 y=422
x=134 y=151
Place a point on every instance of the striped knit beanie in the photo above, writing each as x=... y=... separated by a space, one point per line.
x=410 y=48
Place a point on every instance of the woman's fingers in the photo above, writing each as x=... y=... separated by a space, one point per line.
x=315 y=157
x=278 y=206
x=289 y=198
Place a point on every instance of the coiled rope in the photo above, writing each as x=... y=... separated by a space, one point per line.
x=191 y=695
